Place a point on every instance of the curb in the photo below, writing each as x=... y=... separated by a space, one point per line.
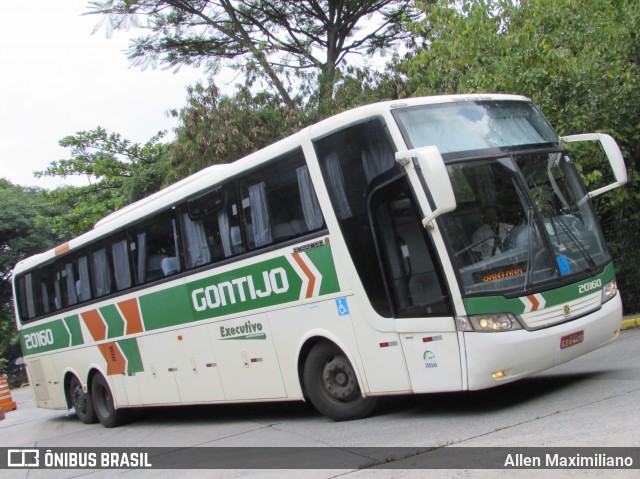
x=630 y=323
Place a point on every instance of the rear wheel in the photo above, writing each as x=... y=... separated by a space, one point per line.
x=331 y=384
x=81 y=402
x=103 y=403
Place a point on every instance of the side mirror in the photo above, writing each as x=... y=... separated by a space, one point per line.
x=613 y=153
x=430 y=171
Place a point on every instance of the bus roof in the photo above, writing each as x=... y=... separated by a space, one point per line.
x=215 y=174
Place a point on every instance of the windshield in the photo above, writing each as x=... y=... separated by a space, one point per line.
x=475 y=125
x=522 y=220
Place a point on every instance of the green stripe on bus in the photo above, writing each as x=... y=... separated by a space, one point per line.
x=500 y=304
x=267 y=283
x=322 y=259
x=129 y=348
x=115 y=323
x=260 y=285
x=165 y=308
x=44 y=338
x=73 y=325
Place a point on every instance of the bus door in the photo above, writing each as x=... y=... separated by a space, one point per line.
x=417 y=289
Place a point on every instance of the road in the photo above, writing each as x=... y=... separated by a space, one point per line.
x=589 y=402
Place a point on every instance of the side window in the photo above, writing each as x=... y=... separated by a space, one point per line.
x=211 y=227
x=279 y=202
x=121 y=265
x=101 y=275
x=155 y=249
x=50 y=294
x=26 y=297
x=353 y=162
x=414 y=282
x=76 y=283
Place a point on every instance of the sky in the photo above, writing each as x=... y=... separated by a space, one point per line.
x=57 y=78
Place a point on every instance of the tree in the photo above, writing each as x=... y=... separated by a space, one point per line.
x=283 y=42
x=24 y=231
x=119 y=172
x=217 y=128
x=578 y=61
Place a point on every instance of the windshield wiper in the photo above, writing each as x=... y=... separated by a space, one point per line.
x=574 y=239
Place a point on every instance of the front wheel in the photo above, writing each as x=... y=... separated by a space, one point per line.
x=331 y=384
x=103 y=404
x=81 y=402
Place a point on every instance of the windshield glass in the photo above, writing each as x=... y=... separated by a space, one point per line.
x=474 y=125
x=521 y=220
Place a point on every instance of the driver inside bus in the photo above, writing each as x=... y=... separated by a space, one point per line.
x=488 y=239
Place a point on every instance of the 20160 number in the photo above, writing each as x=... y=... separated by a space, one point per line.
x=38 y=339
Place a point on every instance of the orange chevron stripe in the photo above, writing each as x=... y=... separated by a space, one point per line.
x=95 y=324
x=308 y=273
x=132 y=314
x=116 y=362
x=534 y=302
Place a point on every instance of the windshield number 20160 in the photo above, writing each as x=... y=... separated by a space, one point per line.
x=591 y=285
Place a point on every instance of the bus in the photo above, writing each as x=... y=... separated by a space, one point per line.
x=425 y=245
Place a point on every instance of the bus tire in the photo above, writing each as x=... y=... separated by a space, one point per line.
x=332 y=386
x=103 y=404
x=81 y=402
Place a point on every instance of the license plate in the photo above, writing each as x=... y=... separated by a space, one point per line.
x=571 y=340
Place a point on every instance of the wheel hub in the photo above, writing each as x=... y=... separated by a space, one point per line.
x=78 y=398
x=339 y=379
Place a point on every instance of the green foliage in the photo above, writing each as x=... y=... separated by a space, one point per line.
x=578 y=61
x=284 y=43
x=119 y=172
x=24 y=231
x=214 y=128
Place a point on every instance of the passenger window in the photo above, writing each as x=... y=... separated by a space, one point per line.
x=121 y=265
x=50 y=290
x=211 y=227
x=76 y=280
x=101 y=272
x=279 y=202
x=27 y=303
x=155 y=249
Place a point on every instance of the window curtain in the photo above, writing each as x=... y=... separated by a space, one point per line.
x=377 y=160
x=515 y=130
x=58 y=298
x=310 y=206
x=83 y=285
x=45 y=297
x=71 y=284
x=142 y=258
x=121 y=265
x=30 y=300
x=196 y=244
x=225 y=235
x=260 y=214
x=336 y=186
x=101 y=272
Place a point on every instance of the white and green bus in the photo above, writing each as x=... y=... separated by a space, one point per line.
x=425 y=245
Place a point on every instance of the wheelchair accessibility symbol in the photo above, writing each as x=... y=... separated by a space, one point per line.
x=342 y=306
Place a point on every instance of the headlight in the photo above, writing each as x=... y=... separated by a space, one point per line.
x=494 y=322
x=609 y=291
